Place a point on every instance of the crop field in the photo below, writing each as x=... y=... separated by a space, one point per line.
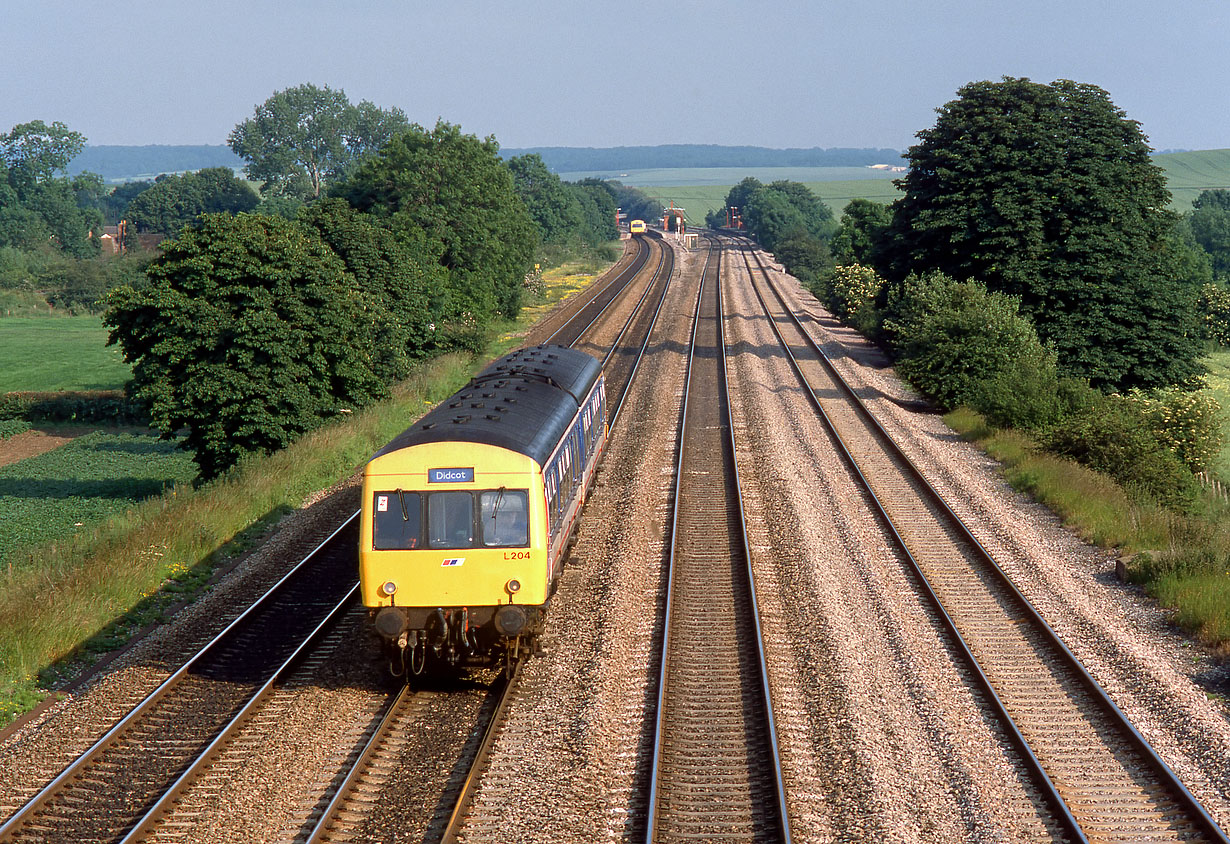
x=699 y=200
x=699 y=190
x=677 y=176
x=50 y=497
x=58 y=353
x=1189 y=173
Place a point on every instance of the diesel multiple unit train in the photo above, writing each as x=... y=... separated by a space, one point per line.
x=466 y=515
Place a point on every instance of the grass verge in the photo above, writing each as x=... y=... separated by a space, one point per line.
x=89 y=593
x=1182 y=561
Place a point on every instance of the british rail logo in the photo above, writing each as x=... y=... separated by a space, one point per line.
x=450 y=476
x=456 y=561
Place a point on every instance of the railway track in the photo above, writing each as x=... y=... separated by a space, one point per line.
x=716 y=769
x=574 y=323
x=1101 y=778
x=120 y=791
x=122 y=784
x=343 y=818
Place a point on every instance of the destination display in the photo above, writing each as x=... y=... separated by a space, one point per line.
x=451 y=476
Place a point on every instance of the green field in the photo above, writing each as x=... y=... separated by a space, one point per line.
x=1189 y=173
x=679 y=176
x=700 y=190
x=58 y=353
x=50 y=497
x=698 y=200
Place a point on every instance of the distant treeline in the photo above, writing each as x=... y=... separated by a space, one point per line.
x=119 y=162
x=580 y=159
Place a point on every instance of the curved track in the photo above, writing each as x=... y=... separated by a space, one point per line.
x=1103 y=781
x=124 y=780
x=119 y=789
x=620 y=364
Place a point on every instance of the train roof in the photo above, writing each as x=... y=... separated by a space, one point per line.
x=522 y=402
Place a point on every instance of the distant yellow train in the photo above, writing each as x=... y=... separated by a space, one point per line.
x=467 y=514
x=637 y=227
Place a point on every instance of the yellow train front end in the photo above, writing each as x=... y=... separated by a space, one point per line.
x=453 y=553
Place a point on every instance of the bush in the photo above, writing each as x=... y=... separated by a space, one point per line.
x=1024 y=394
x=1213 y=303
x=851 y=295
x=1185 y=421
x=1112 y=436
x=86 y=407
x=953 y=339
x=12 y=427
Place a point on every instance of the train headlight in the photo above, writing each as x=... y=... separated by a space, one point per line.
x=388 y=589
x=513 y=586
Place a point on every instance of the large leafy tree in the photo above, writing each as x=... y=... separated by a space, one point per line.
x=38 y=208
x=817 y=217
x=304 y=137
x=1209 y=223
x=402 y=289
x=555 y=210
x=176 y=201
x=597 y=203
x=450 y=194
x=1047 y=193
x=249 y=333
x=861 y=232
x=35 y=152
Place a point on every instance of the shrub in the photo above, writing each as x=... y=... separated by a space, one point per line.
x=89 y=407
x=1024 y=394
x=1112 y=436
x=12 y=427
x=1213 y=304
x=1188 y=422
x=852 y=291
x=952 y=337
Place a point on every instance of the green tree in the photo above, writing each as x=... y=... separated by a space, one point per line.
x=861 y=232
x=176 y=201
x=554 y=209
x=449 y=195
x=739 y=195
x=70 y=225
x=401 y=290
x=1209 y=223
x=817 y=217
x=21 y=227
x=597 y=204
x=303 y=137
x=34 y=152
x=249 y=333
x=1047 y=193
x=804 y=257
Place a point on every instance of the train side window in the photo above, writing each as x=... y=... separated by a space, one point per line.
x=450 y=520
x=396 y=522
x=504 y=517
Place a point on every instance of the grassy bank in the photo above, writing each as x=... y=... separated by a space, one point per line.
x=89 y=591
x=1218 y=363
x=1180 y=560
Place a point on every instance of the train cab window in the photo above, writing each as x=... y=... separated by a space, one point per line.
x=396 y=523
x=504 y=517
x=450 y=520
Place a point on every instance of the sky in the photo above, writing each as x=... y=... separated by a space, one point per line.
x=791 y=73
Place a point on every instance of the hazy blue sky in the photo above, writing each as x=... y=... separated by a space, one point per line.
x=858 y=73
